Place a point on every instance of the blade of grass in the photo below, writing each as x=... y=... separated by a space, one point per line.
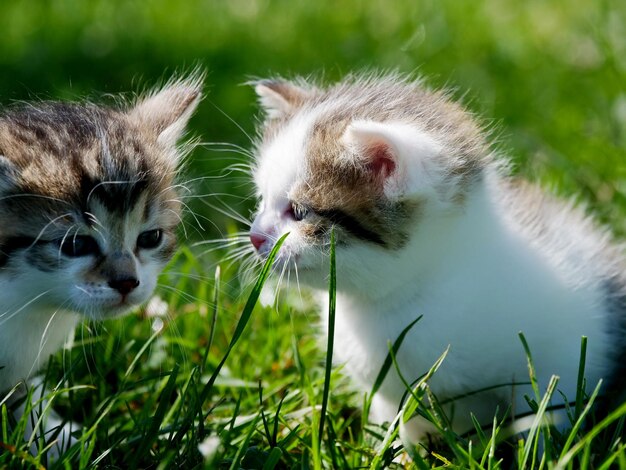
x=241 y=325
x=274 y=440
x=535 y=386
x=332 y=297
x=615 y=415
x=531 y=367
x=534 y=430
x=266 y=425
x=580 y=385
x=151 y=434
x=216 y=291
x=388 y=361
x=581 y=417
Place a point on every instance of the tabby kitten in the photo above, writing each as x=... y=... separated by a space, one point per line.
x=88 y=208
x=429 y=223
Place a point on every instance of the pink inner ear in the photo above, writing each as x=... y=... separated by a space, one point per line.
x=381 y=161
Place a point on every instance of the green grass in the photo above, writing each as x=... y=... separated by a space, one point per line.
x=548 y=75
x=151 y=392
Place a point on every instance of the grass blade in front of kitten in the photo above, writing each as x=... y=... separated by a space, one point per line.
x=332 y=295
x=384 y=370
x=534 y=433
x=580 y=389
x=581 y=417
x=216 y=293
x=241 y=324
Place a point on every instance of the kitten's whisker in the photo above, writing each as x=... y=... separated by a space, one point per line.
x=231 y=150
x=185 y=295
x=282 y=273
x=233 y=121
x=174 y=187
x=212 y=250
x=94 y=219
x=59 y=252
x=225 y=246
x=295 y=270
x=41 y=232
x=221 y=243
x=236 y=236
x=83 y=290
x=196 y=216
x=42 y=341
x=180 y=219
x=238 y=251
x=234 y=258
x=247 y=170
x=15 y=312
x=242 y=149
x=233 y=215
x=195 y=277
x=226 y=146
x=233 y=196
x=100 y=234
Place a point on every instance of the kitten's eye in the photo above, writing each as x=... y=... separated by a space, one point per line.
x=297 y=211
x=80 y=245
x=149 y=239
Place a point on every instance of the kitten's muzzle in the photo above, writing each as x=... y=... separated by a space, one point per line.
x=257 y=240
x=124 y=285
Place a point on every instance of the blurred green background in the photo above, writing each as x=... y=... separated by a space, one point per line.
x=548 y=76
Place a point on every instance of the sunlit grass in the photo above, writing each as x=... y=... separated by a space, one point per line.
x=149 y=394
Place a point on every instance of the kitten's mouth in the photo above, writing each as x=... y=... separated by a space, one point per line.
x=123 y=303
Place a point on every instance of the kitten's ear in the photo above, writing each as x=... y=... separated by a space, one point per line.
x=279 y=98
x=167 y=111
x=398 y=156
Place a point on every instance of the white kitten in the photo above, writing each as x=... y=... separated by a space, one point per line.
x=429 y=223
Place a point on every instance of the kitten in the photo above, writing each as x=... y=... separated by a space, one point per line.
x=88 y=208
x=429 y=223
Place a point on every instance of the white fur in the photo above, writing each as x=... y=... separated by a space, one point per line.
x=404 y=141
x=474 y=271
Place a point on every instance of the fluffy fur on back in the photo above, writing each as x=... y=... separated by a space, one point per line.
x=429 y=223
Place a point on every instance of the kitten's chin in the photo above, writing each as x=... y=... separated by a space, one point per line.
x=108 y=311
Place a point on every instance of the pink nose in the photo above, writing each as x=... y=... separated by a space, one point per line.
x=124 y=285
x=257 y=240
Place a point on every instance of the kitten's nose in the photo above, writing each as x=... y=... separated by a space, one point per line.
x=124 y=285
x=257 y=240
